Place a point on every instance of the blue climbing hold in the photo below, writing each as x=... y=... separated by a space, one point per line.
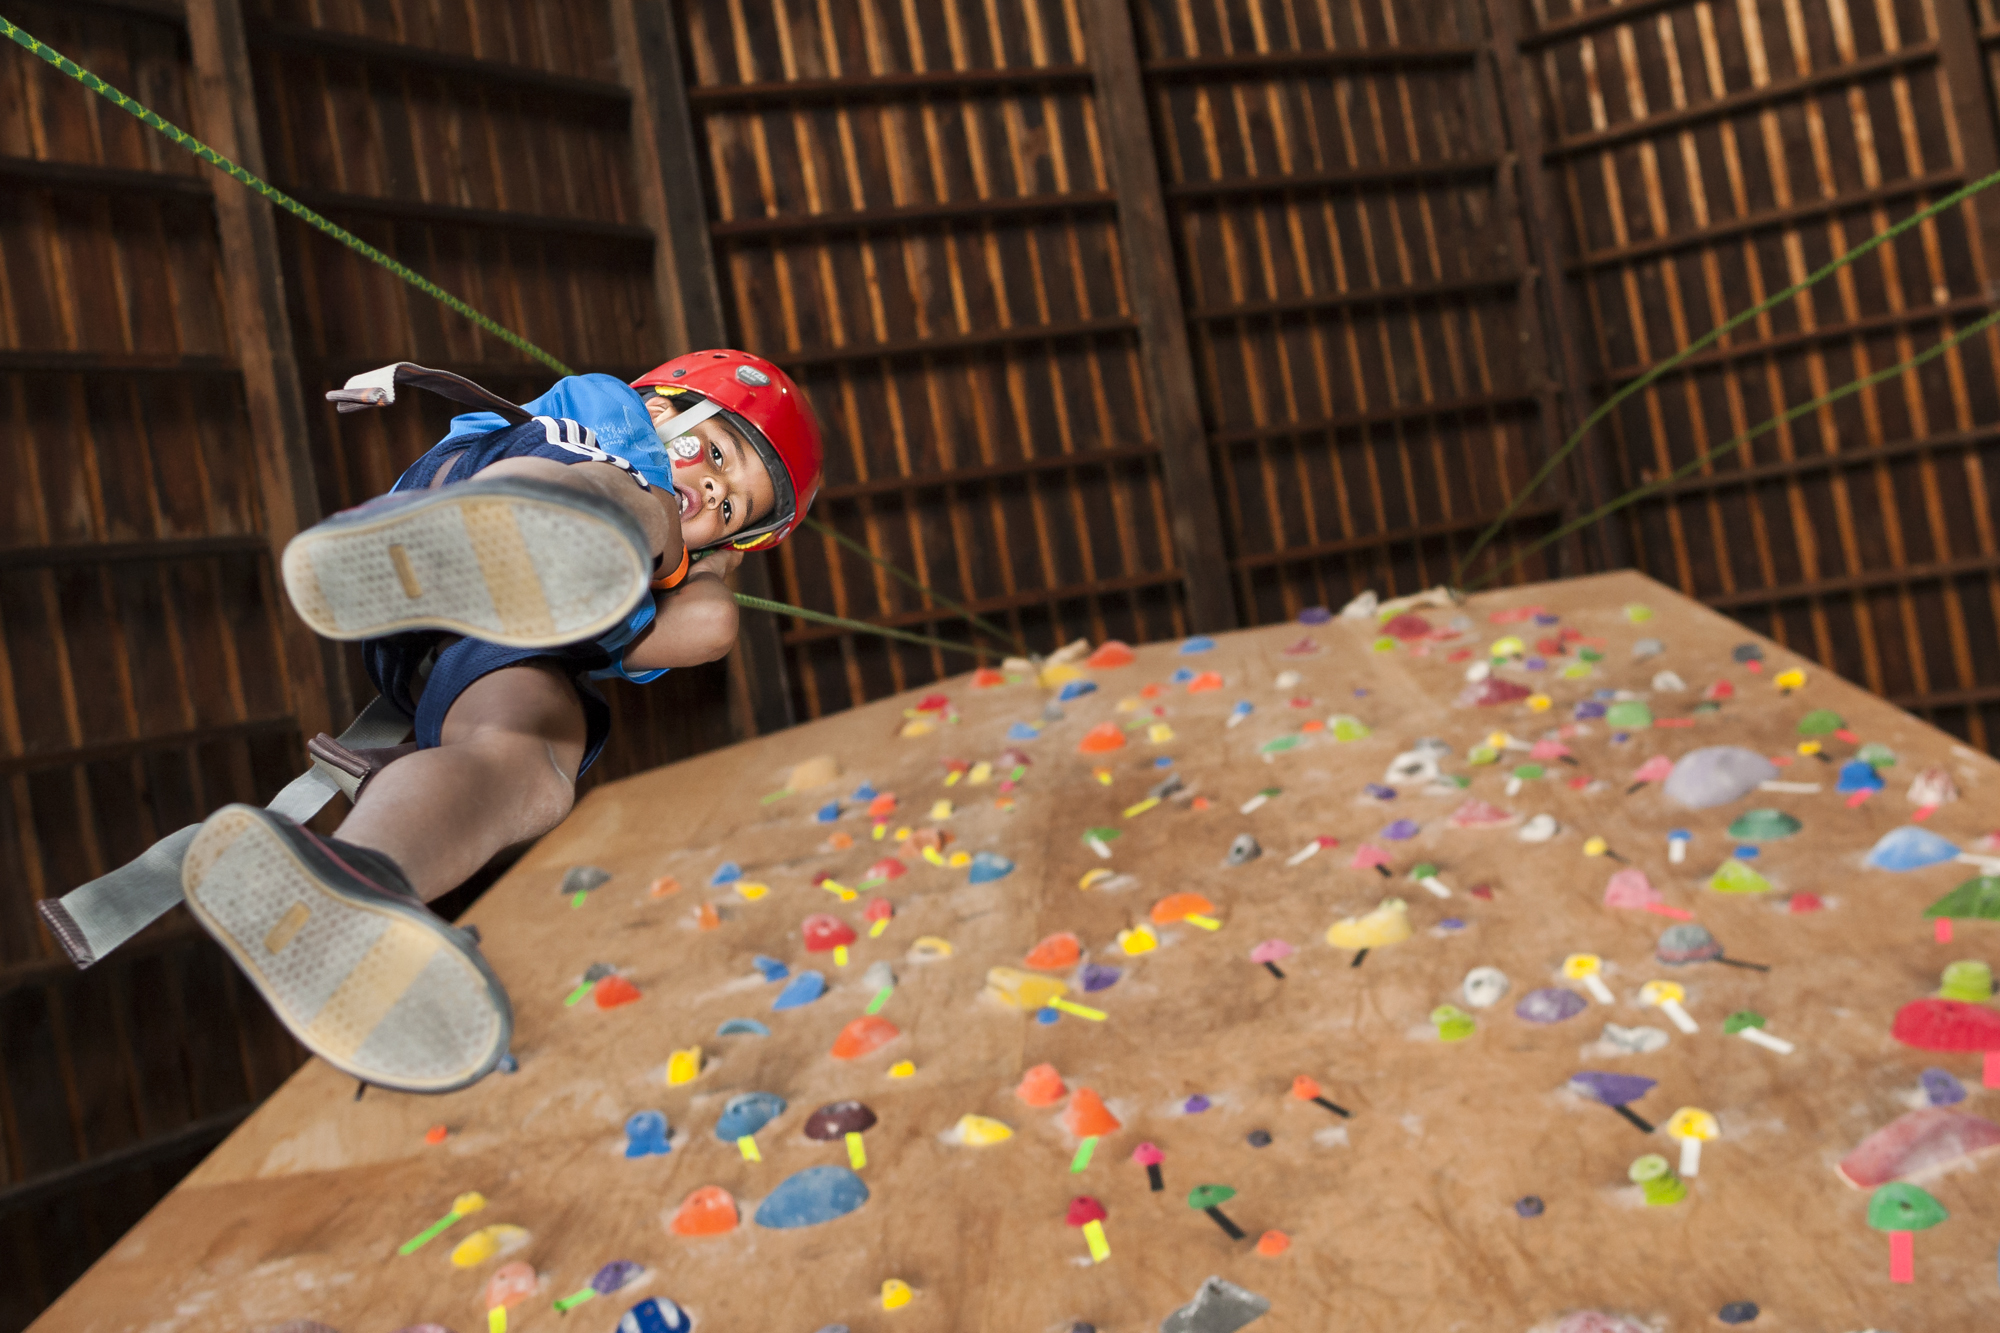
x=1200 y=643
x=772 y=969
x=726 y=873
x=646 y=1135
x=742 y=1027
x=746 y=1113
x=989 y=866
x=1182 y=675
x=1243 y=708
x=1164 y=761
x=1910 y=848
x=828 y=813
x=1045 y=1016
x=815 y=1195
x=1021 y=731
x=1076 y=689
x=1858 y=775
x=655 y=1314
x=865 y=792
x=801 y=990
x=1588 y=709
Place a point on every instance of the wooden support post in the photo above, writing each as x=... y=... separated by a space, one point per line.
x=1963 y=60
x=1559 y=314
x=253 y=286
x=1154 y=284
x=667 y=157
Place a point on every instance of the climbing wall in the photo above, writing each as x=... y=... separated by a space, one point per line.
x=1297 y=1083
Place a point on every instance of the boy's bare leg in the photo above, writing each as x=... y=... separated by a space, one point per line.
x=506 y=772
x=599 y=479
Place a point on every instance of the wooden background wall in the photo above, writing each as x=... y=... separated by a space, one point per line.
x=1125 y=317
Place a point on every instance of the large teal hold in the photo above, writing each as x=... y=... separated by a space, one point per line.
x=1910 y=848
x=1763 y=826
x=815 y=1195
x=746 y=1113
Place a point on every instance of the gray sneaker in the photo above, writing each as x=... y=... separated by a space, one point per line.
x=349 y=958
x=519 y=563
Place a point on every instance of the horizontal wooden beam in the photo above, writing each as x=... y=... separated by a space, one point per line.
x=1343 y=178
x=148 y=551
x=161 y=11
x=1975 y=697
x=89 y=1175
x=984 y=473
x=1770 y=219
x=991 y=605
x=499 y=219
x=1001 y=209
x=1791 y=342
x=112 y=751
x=1748 y=100
x=338 y=369
x=1595 y=20
x=1371 y=541
x=888 y=87
x=953 y=344
x=1378 y=296
x=56 y=362
x=1791 y=469
x=1443 y=407
x=1865 y=581
x=34 y=172
x=494 y=76
x=1268 y=64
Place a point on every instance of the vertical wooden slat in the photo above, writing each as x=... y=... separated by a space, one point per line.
x=1155 y=293
x=254 y=287
x=673 y=199
x=1973 y=115
x=1560 y=317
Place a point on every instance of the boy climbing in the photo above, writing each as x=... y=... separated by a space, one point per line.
x=533 y=549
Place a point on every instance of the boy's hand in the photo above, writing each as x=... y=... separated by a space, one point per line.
x=721 y=562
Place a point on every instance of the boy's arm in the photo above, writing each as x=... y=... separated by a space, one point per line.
x=695 y=623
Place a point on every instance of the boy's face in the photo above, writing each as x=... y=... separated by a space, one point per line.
x=720 y=483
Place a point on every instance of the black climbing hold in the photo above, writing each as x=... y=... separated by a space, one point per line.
x=1260 y=1138
x=1529 y=1205
x=1738 y=1312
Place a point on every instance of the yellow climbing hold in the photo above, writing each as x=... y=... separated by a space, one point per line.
x=1511 y=646
x=1091 y=877
x=940 y=809
x=1595 y=846
x=977 y=1131
x=902 y=1069
x=1794 y=679
x=1541 y=703
x=683 y=1066
x=959 y=860
x=981 y=774
x=1140 y=939
x=917 y=727
x=752 y=892
x=929 y=948
x=1023 y=990
x=1159 y=733
x=896 y=1293
x=486 y=1243
x=1387 y=924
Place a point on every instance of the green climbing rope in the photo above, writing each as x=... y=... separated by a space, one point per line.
x=1610 y=404
x=271 y=192
x=826 y=530
x=1729 y=446
x=347 y=238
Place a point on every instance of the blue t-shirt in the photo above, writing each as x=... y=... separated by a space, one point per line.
x=617 y=414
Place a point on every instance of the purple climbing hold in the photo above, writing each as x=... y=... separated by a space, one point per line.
x=616 y=1274
x=1551 y=1004
x=1196 y=1104
x=1097 y=977
x=1940 y=1088
x=1401 y=831
x=1611 y=1089
x=1529 y=1205
x=1315 y=615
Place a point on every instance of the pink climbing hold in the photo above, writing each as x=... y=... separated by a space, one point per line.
x=510 y=1285
x=1476 y=813
x=1655 y=769
x=1917 y=1143
x=1407 y=626
x=1630 y=888
x=1367 y=856
x=1148 y=1155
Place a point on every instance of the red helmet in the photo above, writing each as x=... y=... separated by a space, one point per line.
x=766 y=405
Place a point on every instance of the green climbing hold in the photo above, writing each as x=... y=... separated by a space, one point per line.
x=1735 y=877
x=1652 y=1174
x=1741 y=1020
x=1975 y=900
x=1820 y=722
x=1876 y=753
x=1210 y=1196
x=1763 y=826
x=1452 y=1022
x=1628 y=715
x=1350 y=729
x=1901 y=1206
x=1278 y=745
x=1589 y=655
x=1638 y=613
x=1969 y=980
x=1385 y=644
x=1528 y=772
x=1482 y=754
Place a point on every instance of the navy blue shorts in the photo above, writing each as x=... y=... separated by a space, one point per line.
x=398 y=664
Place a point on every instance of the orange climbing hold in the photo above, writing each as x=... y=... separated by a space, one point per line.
x=1055 y=953
x=612 y=991
x=709 y=1211
x=987 y=677
x=1207 y=680
x=436 y=1134
x=1102 y=739
x=1180 y=906
x=707 y=918
x=1041 y=1086
x=840 y=841
x=1304 y=1088
x=1088 y=1117
x=1273 y=1243
x=882 y=806
x=864 y=1034
x=1112 y=654
x=664 y=886
x=510 y=1285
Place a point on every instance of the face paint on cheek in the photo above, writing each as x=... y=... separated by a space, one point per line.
x=685 y=452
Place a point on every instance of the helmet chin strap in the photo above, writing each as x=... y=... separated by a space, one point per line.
x=680 y=423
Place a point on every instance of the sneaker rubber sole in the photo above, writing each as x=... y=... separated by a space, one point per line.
x=515 y=563
x=375 y=985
